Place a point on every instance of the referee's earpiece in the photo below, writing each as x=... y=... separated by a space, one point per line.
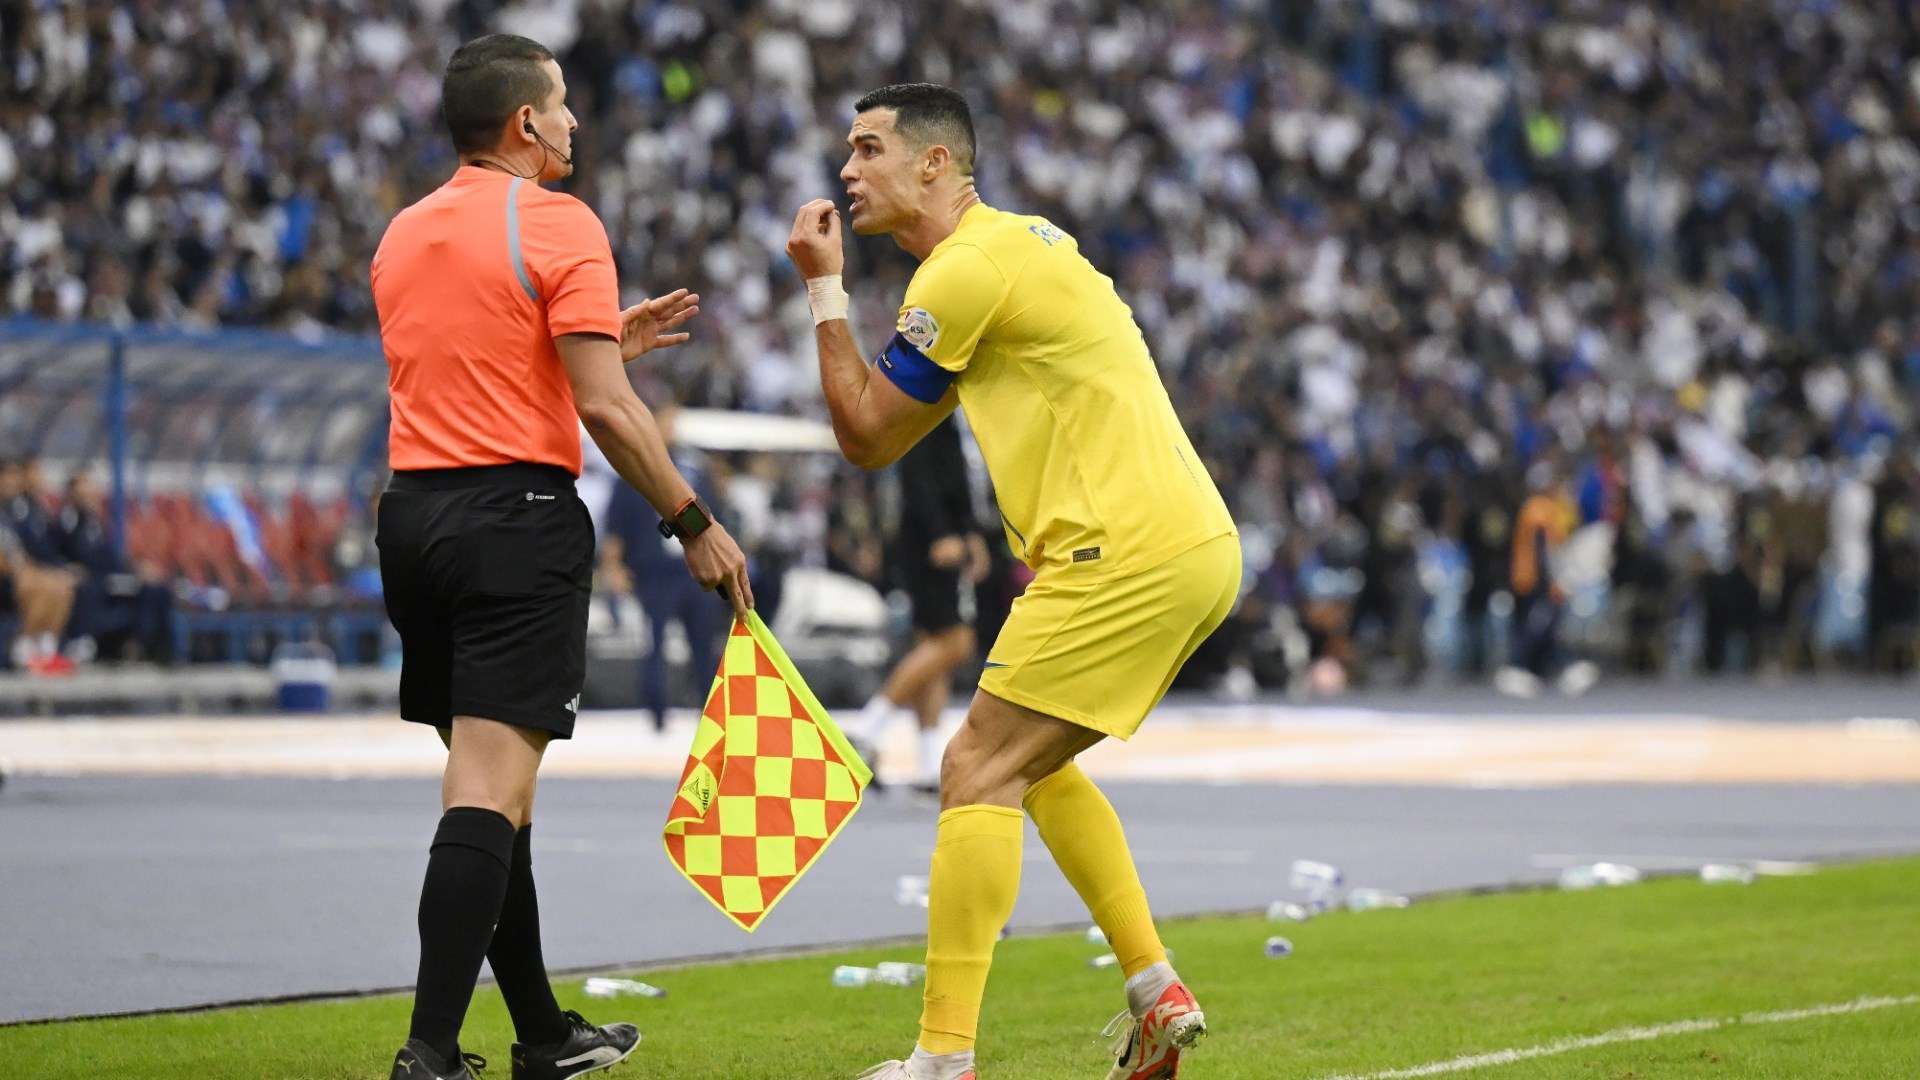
x=545 y=146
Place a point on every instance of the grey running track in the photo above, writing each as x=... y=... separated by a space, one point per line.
x=136 y=894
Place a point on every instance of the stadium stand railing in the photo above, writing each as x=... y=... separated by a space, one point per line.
x=240 y=466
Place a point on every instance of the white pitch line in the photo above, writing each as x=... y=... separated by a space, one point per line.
x=1629 y=1034
x=1188 y=857
x=1859 y=1005
x=1556 y=860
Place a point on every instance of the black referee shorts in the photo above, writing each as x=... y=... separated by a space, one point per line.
x=940 y=599
x=487 y=573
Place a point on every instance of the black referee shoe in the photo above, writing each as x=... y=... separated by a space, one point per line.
x=418 y=1061
x=586 y=1049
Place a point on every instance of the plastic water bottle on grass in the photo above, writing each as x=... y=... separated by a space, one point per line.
x=910 y=890
x=1595 y=874
x=1725 y=874
x=897 y=973
x=1288 y=911
x=1107 y=960
x=1314 y=878
x=847 y=976
x=1373 y=899
x=612 y=988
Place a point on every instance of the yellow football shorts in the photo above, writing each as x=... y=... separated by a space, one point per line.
x=1102 y=654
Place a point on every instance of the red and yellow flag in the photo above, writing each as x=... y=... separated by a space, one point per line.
x=769 y=783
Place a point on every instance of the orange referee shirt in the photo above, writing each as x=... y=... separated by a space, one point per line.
x=472 y=284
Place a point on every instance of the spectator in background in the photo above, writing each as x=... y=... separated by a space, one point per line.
x=1488 y=542
x=23 y=498
x=655 y=568
x=1440 y=236
x=854 y=544
x=1893 y=607
x=41 y=595
x=1642 y=584
x=1542 y=526
x=127 y=611
x=1732 y=599
x=1795 y=541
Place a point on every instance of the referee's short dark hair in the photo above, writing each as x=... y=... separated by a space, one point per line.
x=487 y=80
x=928 y=113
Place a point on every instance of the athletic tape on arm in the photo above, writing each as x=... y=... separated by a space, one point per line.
x=827 y=298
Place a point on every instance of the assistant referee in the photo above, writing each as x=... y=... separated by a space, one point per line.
x=500 y=317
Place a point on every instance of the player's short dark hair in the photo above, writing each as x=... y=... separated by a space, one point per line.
x=487 y=81
x=929 y=113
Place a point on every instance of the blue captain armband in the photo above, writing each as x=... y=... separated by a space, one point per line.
x=909 y=369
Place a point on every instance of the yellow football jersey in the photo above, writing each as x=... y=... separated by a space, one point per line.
x=1092 y=470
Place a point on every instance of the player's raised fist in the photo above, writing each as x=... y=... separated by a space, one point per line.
x=815 y=246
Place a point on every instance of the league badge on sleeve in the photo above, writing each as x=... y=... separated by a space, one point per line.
x=920 y=328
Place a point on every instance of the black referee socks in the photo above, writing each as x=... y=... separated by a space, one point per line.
x=515 y=955
x=467 y=874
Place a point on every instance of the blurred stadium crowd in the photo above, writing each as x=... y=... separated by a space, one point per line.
x=1517 y=332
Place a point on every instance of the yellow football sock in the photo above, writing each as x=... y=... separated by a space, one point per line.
x=970 y=894
x=1083 y=833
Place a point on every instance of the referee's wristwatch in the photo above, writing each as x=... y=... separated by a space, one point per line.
x=689 y=521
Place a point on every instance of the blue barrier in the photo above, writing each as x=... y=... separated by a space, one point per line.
x=234 y=637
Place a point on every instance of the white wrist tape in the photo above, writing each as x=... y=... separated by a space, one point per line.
x=827 y=299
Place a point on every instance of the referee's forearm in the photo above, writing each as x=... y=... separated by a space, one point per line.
x=625 y=431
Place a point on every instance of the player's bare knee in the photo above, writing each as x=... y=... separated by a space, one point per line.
x=953 y=779
x=480 y=798
x=515 y=803
x=504 y=789
x=957 y=769
x=962 y=788
x=969 y=773
x=974 y=770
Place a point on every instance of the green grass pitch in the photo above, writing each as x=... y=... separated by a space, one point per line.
x=1363 y=993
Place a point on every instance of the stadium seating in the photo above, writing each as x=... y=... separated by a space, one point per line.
x=1457 y=245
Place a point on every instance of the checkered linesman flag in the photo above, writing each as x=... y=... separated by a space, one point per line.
x=769 y=782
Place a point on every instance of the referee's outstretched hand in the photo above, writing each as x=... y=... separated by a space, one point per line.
x=649 y=324
x=716 y=562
